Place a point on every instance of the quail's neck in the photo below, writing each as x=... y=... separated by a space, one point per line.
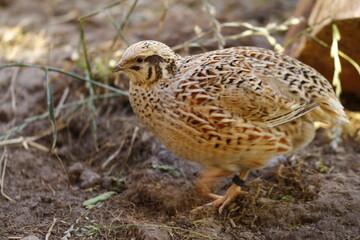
x=166 y=70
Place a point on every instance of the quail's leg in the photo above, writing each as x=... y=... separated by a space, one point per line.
x=208 y=179
x=233 y=191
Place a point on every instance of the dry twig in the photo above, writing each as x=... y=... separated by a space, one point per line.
x=3 y=162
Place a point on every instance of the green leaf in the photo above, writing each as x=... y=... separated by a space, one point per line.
x=99 y=198
x=321 y=167
x=287 y=198
x=171 y=170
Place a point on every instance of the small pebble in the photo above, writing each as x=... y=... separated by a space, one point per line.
x=89 y=179
x=31 y=237
x=75 y=170
x=106 y=182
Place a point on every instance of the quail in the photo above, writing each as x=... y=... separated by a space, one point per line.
x=230 y=110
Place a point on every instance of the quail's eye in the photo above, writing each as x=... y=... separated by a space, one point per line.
x=136 y=68
x=139 y=59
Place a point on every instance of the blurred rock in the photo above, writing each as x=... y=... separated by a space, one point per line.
x=74 y=171
x=153 y=233
x=89 y=179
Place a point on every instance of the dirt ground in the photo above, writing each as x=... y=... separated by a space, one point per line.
x=314 y=194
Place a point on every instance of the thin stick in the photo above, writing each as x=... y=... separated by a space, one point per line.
x=62 y=101
x=113 y=156
x=251 y=31
x=216 y=25
x=50 y=229
x=38 y=146
x=192 y=41
x=31 y=140
x=3 y=159
x=63 y=168
x=132 y=141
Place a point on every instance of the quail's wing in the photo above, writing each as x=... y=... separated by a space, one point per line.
x=254 y=84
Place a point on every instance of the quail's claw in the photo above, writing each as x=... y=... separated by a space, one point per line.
x=222 y=201
x=214 y=196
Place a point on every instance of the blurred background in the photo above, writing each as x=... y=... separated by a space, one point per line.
x=64 y=140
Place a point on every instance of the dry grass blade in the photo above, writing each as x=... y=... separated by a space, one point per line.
x=197 y=234
x=132 y=141
x=216 y=25
x=84 y=18
x=84 y=48
x=94 y=125
x=73 y=75
x=263 y=31
x=49 y=96
x=194 y=42
x=88 y=75
x=123 y=25
x=50 y=229
x=113 y=155
x=119 y=31
x=37 y=145
x=26 y=141
x=162 y=18
x=27 y=121
x=67 y=233
x=251 y=30
x=3 y=162
x=12 y=90
x=22 y=126
x=129 y=14
x=341 y=54
x=62 y=101
x=334 y=52
x=50 y=106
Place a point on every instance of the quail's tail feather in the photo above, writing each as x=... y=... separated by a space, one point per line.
x=330 y=111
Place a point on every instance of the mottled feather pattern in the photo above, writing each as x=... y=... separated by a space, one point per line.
x=229 y=101
x=259 y=84
x=230 y=109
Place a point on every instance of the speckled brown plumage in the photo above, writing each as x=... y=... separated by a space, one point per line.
x=230 y=110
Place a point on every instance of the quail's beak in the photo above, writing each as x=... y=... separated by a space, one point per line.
x=117 y=68
x=120 y=66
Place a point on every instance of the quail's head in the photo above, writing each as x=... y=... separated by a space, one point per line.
x=148 y=61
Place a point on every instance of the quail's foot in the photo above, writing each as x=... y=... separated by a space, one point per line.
x=223 y=201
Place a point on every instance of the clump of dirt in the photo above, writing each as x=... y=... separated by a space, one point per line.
x=313 y=194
